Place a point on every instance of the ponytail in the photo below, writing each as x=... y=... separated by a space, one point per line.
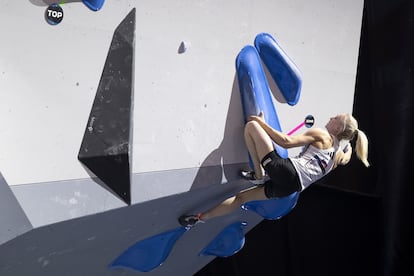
x=350 y=131
x=361 y=147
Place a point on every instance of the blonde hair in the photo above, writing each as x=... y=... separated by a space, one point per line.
x=350 y=131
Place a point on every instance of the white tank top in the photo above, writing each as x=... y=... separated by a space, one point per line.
x=313 y=163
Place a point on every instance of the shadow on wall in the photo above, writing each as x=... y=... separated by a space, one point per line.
x=273 y=87
x=95 y=241
x=209 y=174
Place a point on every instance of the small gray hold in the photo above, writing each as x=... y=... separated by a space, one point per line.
x=183 y=47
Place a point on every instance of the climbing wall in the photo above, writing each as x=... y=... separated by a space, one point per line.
x=175 y=134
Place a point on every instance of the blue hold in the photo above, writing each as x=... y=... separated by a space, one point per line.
x=149 y=253
x=94 y=5
x=282 y=69
x=273 y=208
x=254 y=90
x=228 y=242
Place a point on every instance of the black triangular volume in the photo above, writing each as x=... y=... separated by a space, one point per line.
x=107 y=143
x=113 y=171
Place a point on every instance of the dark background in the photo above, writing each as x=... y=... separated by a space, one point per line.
x=356 y=221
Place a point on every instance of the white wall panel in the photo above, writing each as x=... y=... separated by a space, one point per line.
x=49 y=76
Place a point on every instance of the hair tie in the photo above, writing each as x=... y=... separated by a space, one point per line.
x=356 y=132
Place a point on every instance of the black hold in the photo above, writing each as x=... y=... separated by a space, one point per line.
x=106 y=148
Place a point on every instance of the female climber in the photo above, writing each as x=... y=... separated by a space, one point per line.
x=321 y=153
